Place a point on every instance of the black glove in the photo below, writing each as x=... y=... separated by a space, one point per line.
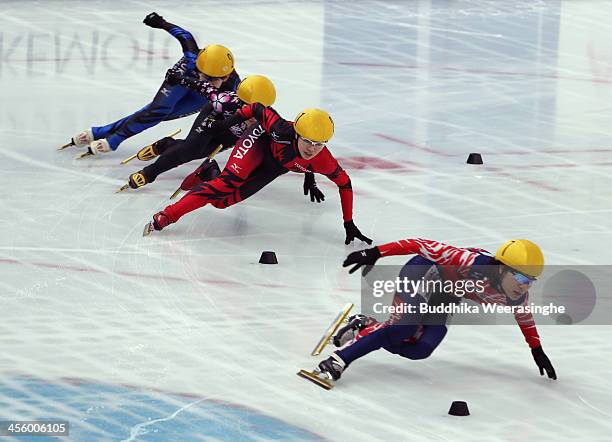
x=367 y=257
x=154 y=20
x=543 y=362
x=310 y=186
x=173 y=77
x=353 y=232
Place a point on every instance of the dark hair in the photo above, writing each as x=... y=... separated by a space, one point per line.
x=490 y=271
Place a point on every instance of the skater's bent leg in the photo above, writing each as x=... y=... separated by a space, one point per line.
x=157 y=111
x=104 y=131
x=257 y=181
x=398 y=329
x=424 y=346
x=247 y=155
x=177 y=153
x=387 y=336
x=209 y=192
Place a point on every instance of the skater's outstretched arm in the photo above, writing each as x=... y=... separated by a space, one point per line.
x=188 y=43
x=325 y=164
x=528 y=327
x=435 y=251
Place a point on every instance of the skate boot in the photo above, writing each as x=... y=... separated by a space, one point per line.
x=349 y=332
x=160 y=220
x=153 y=150
x=100 y=146
x=82 y=139
x=208 y=170
x=96 y=147
x=326 y=373
x=137 y=179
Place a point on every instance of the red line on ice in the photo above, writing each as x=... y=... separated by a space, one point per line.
x=415 y=145
x=497 y=170
x=531 y=182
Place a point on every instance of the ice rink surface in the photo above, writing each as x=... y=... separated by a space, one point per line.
x=183 y=336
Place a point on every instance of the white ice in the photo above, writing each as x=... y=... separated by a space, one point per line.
x=413 y=88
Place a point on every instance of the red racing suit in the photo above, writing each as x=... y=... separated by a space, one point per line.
x=264 y=152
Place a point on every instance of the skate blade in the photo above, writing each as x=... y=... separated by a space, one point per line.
x=176 y=132
x=312 y=377
x=70 y=144
x=332 y=329
x=176 y=193
x=148 y=229
x=85 y=154
x=215 y=152
x=122 y=188
x=127 y=160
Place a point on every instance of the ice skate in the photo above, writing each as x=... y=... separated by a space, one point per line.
x=136 y=180
x=151 y=151
x=208 y=170
x=85 y=154
x=160 y=220
x=96 y=147
x=326 y=373
x=331 y=330
x=82 y=139
x=349 y=332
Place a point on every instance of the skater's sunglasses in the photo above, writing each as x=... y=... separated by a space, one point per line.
x=521 y=278
x=313 y=143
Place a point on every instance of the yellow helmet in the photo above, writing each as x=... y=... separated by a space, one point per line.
x=315 y=125
x=522 y=255
x=257 y=89
x=215 y=61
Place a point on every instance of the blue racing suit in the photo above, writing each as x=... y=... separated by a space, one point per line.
x=170 y=102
